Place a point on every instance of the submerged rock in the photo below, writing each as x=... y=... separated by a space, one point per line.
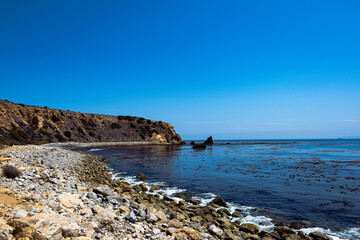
x=141 y=176
x=199 y=146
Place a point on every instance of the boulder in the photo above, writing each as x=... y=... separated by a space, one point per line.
x=284 y=231
x=319 y=236
x=161 y=216
x=70 y=201
x=20 y=214
x=215 y=231
x=186 y=233
x=141 y=176
x=249 y=228
x=151 y=217
x=103 y=191
x=209 y=141
x=219 y=202
x=174 y=223
x=296 y=225
x=124 y=209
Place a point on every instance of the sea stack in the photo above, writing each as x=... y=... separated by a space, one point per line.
x=209 y=141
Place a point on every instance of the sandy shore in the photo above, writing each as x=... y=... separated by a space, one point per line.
x=67 y=194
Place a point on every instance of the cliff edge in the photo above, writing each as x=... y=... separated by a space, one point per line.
x=22 y=124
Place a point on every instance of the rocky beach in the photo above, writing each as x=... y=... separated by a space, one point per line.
x=64 y=194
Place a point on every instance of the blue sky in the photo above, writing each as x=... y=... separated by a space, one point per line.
x=231 y=69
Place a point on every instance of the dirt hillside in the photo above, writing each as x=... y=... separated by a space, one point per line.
x=21 y=124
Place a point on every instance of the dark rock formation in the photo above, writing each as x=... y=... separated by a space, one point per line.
x=192 y=143
x=22 y=124
x=141 y=176
x=218 y=201
x=199 y=146
x=209 y=141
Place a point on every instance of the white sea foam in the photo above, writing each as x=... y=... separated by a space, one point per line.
x=94 y=149
x=205 y=198
x=352 y=233
x=264 y=223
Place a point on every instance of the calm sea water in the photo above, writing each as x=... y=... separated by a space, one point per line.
x=315 y=182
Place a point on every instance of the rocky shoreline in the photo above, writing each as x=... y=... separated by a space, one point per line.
x=64 y=194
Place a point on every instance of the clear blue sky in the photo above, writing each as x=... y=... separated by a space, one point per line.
x=231 y=69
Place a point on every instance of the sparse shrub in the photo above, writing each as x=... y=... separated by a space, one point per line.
x=115 y=125
x=140 y=120
x=60 y=138
x=42 y=131
x=79 y=129
x=10 y=171
x=132 y=125
x=67 y=134
x=128 y=118
x=148 y=121
x=55 y=118
x=83 y=120
x=92 y=134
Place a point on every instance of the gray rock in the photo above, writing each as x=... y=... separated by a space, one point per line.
x=142 y=213
x=151 y=217
x=131 y=216
x=21 y=214
x=91 y=195
x=103 y=191
x=171 y=230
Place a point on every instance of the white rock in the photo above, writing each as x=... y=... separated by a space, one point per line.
x=215 y=231
x=21 y=214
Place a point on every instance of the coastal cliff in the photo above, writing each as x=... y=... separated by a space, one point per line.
x=21 y=124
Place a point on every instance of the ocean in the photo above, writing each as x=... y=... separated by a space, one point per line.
x=273 y=182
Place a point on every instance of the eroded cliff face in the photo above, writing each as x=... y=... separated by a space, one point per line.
x=30 y=124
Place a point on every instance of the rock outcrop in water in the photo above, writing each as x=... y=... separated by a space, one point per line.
x=21 y=123
x=209 y=141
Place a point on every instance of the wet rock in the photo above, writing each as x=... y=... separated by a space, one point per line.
x=193 y=201
x=319 y=236
x=249 y=228
x=218 y=202
x=141 y=176
x=20 y=214
x=199 y=146
x=296 y=225
x=224 y=212
x=237 y=214
x=284 y=231
x=215 y=231
x=154 y=188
